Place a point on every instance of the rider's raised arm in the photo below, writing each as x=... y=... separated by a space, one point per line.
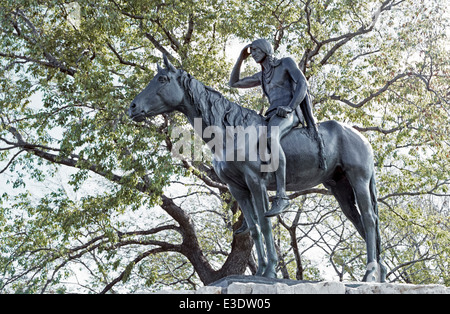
x=247 y=82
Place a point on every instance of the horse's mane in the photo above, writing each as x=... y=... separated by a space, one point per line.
x=215 y=108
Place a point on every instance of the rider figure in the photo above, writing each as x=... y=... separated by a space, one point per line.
x=286 y=89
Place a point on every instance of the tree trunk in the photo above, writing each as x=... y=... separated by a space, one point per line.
x=236 y=262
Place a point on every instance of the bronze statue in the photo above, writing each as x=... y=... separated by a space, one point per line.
x=286 y=88
x=349 y=174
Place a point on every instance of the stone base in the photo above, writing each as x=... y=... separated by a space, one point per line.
x=261 y=285
x=394 y=288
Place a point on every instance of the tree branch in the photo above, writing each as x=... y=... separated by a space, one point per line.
x=139 y=258
x=52 y=64
x=11 y=160
x=121 y=60
x=175 y=44
x=380 y=130
x=190 y=30
x=158 y=46
x=52 y=61
x=372 y=95
x=430 y=192
x=342 y=39
x=74 y=161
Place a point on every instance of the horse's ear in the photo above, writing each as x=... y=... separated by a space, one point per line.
x=159 y=67
x=169 y=65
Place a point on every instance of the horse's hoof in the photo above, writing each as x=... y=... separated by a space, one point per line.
x=383 y=272
x=270 y=274
x=373 y=273
x=261 y=271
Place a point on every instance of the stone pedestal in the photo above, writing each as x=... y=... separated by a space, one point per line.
x=264 y=286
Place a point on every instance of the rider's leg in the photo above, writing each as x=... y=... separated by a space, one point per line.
x=284 y=125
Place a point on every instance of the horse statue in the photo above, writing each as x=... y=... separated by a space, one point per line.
x=349 y=174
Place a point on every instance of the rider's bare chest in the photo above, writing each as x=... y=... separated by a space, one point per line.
x=277 y=82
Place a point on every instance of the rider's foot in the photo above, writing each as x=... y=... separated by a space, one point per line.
x=279 y=205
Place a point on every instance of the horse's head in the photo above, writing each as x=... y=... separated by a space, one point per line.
x=162 y=94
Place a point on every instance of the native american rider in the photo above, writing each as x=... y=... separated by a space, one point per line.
x=286 y=89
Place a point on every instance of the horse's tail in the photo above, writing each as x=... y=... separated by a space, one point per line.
x=373 y=194
x=374 y=198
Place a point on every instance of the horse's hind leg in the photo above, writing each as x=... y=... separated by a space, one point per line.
x=361 y=187
x=343 y=192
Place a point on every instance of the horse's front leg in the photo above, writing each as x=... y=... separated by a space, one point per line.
x=257 y=238
x=261 y=201
x=272 y=257
x=244 y=199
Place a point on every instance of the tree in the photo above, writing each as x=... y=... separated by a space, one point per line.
x=380 y=66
